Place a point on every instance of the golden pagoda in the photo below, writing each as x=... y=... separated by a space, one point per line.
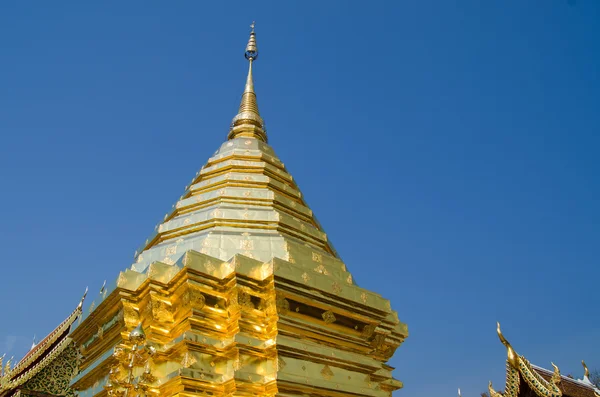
x=238 y=292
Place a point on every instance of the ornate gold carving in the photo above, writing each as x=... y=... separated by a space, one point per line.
x=245 y=300
x=168 y=260
x=349 y=279
x=336 y=288
x=237 y=364
x=283 y=306
x=280 y=363
x=130 y=355
x=55 y=378
x=161 y=310
x=327 y=373
x=130 y=315
x=305 y=277
x=210 y=267
x=194 y=298
x=188 y=359
x=368 y=330
x=328 y=317
x=246 y=244
x=172 y=250
x=364 y=297
x=317 y=257
x=321 y=269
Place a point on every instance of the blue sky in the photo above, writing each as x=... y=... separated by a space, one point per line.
x=449 y=149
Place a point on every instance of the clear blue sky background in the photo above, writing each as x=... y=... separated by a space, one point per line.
x=450 y=150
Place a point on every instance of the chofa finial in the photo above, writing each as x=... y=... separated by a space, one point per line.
x=82 y=299
x=586 y=373
x=512 y=355
x=555 y=374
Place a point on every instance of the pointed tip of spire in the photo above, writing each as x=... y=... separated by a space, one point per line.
x=251 y=53
x=248 y=123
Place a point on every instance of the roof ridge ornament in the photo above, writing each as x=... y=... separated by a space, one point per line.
x=248 y=123
x=586 y=373
x=555 y=375
x=80 y=306
x=512 y=354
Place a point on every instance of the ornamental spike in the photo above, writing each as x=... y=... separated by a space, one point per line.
x=82 y=299
x=512 y=355
x=248 y=123
x=586 y=372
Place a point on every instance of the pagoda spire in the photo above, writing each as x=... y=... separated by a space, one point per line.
x=248 y=123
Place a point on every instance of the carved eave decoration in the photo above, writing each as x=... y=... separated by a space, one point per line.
x=40 y=355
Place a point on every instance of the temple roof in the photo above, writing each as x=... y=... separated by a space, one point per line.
x=39 y=356
x=525 y=379
x=242 y=201
x=569 y=386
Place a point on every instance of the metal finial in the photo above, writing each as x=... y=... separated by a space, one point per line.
x=251 y=53
x=585 y=368
x=252 y=26
x=512 y=355
x=82 y=299
x=555 y=375
x=459 y=394
x=248 y=123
